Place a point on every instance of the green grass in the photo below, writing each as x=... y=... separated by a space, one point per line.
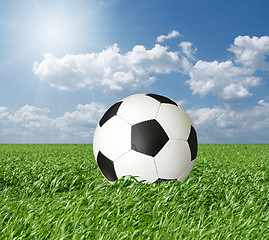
x=57 y=192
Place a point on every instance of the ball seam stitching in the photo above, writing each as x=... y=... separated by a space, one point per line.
x=158 y=110
x=124 y=119
x=180 y=139
x=122 y=155
x=156 y=168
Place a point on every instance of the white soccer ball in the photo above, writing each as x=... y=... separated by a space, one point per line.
x=147 y=136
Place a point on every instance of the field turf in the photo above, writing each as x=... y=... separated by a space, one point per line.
x=57 y=192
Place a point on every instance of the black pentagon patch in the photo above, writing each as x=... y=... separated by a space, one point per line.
x=111 y=112
x=161 y=99
x=148 y=137
x=107 y=167
x=192 y=141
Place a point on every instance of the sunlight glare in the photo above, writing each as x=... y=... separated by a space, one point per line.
x=55 y=28
x=54 y=32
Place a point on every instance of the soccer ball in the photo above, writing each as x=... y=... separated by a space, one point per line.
x=147 y=136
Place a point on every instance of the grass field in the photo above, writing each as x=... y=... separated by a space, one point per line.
x=57 y=192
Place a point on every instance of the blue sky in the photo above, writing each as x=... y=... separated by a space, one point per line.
x=63 y=63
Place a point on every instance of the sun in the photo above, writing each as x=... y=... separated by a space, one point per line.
x=57 y=27
x=54 y=31
x=53 y=26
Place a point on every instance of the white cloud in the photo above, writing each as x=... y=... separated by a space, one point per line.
x=251 y=52
x=172 y=34
x=32 y=125
x=156 y=60
x=226 y=125
x=188 y=50
x=123 y=74
x=109 y=69
x=3 y=109
x=230 y=81
x=182 y=102
x=224 y=80
x=3 y=112
x=85 y=116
